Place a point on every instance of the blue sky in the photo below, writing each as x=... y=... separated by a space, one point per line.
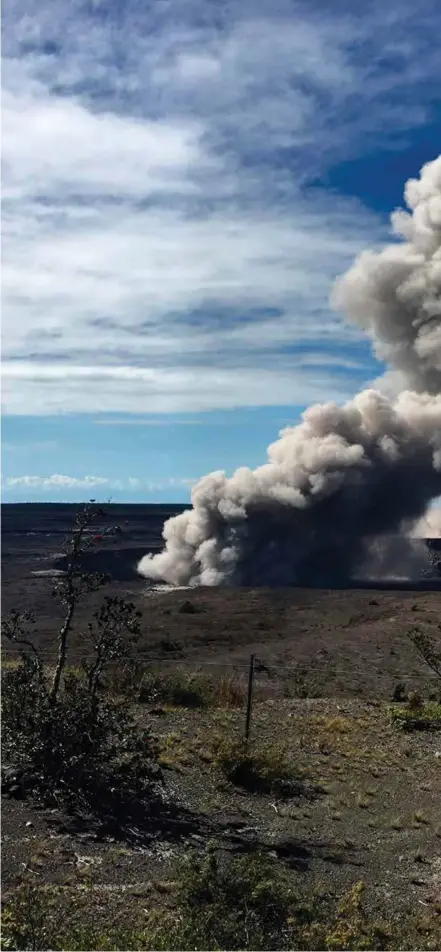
x=182 y=183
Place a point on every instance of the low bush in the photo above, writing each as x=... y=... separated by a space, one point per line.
x=39 y=918
x=427 y=716
x=399 y=693
x=223 y=903
x=350 y=928
x=70 y=748
x=180 y=688
x=262 y=769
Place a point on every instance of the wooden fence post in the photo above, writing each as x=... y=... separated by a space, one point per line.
x=250 y=697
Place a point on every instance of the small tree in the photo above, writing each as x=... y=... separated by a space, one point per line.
x=114 y=631
x=75 y=584
x=61 y=732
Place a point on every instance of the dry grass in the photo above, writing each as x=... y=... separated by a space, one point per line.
x=254 y=766
x=179 y=687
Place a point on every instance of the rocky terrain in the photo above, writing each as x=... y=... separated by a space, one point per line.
x=327 y=666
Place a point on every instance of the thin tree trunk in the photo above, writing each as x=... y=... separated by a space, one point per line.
x=62 y=650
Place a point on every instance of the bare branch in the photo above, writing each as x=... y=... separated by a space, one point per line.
x=15 y=629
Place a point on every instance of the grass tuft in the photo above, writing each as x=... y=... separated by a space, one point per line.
x=259 y=769
x=191 y=689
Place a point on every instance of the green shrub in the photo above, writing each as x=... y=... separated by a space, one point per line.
x=426 y=717
x=62 y=738
x=216 y=903
x=71 y=748
x=41 y=918
x=351 y=929
x=222 y=903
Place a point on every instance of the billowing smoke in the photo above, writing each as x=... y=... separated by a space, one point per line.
x=395 y=295
x=346 y=477
x=429 y=527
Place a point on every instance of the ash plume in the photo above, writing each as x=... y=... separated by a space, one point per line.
x=429 y=527
x=395 y=295
x=348 y=477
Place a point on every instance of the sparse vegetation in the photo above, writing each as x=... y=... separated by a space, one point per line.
x=214 y=902
x=257 y=767
x=429 y=647
x=307 y=679
x=88 y=749
x=241 y=903
x=181 y=688
x=424 y=717
x=62 y=740
x=72 y=749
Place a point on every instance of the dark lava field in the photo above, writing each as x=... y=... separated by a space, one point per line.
x=353 y=642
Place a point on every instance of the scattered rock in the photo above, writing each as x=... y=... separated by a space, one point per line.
x=187 y=608
x=29 y=823
x=16 y=791
x=166 y=644
x=88 y=860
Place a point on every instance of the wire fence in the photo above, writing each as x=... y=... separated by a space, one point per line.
x=302 y=677
x=245 y=682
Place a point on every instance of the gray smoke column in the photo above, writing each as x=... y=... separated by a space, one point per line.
x=345 y=476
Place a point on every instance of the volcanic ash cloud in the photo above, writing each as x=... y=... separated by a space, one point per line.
x=345 y=475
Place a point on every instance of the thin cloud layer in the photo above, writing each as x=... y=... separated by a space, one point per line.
x=164 y=249
x=58 y=482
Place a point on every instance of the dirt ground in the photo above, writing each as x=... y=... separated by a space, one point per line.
x=327 y=664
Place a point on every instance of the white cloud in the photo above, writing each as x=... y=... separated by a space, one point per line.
x=171 y=483
x=161 y=246
x=147 y=421
x=127 y=389
x=93 y=153
x=56 y=481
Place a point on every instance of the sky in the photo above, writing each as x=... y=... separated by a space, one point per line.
x=182 y=183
